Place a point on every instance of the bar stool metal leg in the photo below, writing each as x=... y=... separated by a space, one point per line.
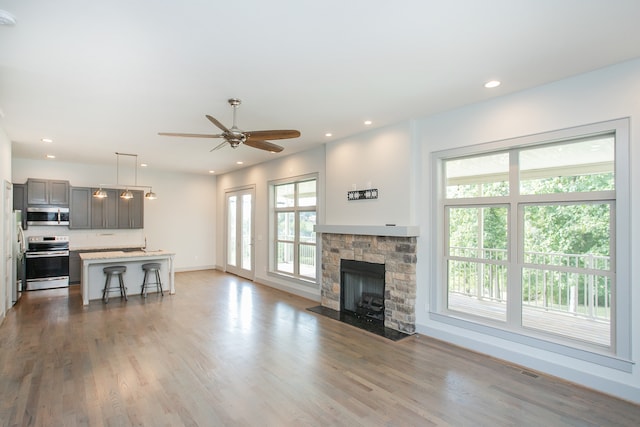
x=159 y=283
x=154 y=268
x=143 y=290
x=123 y=289
x=116 y=270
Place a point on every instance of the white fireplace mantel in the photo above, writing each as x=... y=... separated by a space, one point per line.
x=370 y=230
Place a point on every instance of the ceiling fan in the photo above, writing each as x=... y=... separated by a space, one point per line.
x=234 y=136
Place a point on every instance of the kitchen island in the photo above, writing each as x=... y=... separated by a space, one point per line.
x=93 y=278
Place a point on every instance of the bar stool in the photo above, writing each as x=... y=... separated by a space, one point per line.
x=151 y=267
x=115 y=270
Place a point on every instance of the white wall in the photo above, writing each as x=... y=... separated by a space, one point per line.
x=5 y=174
x=299 y=164
x=606 y=94
x=379 y=159
x=181 y=220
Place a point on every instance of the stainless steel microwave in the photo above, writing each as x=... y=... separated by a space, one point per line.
x=47 y=216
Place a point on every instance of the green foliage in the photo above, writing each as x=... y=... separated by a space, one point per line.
x=564 y=234
x=487 y=189
x=568 y=184
x=568 y=229
x=465 y=225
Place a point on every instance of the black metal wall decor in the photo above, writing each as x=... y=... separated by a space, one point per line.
x=371 y=193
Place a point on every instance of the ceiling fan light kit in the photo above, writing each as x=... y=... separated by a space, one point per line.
x=235 y=137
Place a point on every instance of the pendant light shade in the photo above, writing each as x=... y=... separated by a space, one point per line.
x=100 y=193
x=150 y=195
x=126 y=194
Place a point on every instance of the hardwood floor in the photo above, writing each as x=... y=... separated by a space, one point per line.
x=224 y=351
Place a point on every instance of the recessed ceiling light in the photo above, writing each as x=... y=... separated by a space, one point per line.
x=46 y=140
x=491 y=84
x=239 y=163
x=212 y=171
x=50 y=156
x=143 y=165
x=367 y=122
x=328 y=134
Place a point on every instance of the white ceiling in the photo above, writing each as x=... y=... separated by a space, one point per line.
x=101 y=77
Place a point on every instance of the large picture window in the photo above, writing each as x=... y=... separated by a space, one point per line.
x=294 y=214
x=529 y=238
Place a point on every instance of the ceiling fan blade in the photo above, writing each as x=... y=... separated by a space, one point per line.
x=271 y=134
x=217 y=123
x=219 y=146
x=263 y=145
x=190 y=135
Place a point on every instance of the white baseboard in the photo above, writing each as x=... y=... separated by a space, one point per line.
x=197 y=268
x=311 y=294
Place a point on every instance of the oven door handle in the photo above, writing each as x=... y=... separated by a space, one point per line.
x=47 y=254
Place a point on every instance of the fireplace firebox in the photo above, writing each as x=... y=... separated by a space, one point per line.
x=362 y=289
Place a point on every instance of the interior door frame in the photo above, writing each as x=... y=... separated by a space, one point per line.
x=7 y=246
x=237 y=269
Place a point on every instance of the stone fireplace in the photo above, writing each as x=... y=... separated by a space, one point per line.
x=396 y=252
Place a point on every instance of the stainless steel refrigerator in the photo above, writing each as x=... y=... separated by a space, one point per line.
x=19 y=247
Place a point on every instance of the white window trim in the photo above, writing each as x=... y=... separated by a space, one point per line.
x=620 y=353
x=272 y=271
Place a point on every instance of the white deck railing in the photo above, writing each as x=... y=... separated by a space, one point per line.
x=568 y=283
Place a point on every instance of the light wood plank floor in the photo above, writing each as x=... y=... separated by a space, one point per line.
x=224 y=351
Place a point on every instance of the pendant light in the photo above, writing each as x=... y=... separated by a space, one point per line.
x=150 y=195
x=126 y=194
x=100 y=193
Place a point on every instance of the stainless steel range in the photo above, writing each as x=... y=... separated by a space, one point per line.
x=47 y=262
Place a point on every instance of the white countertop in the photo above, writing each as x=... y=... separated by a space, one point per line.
x=122 y=254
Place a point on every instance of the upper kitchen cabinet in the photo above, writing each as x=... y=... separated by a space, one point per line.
x=131 y=211
x=104 y=211
x=80 y=208
x=19 y=200
x=47 y=192
x=110 y=212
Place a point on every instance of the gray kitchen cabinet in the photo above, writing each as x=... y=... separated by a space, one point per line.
x=80 y=208
x=47 y=192
x=75 y=267
x=131 y=211
x=104 y=212
x=20 y=202
x=88 y=212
